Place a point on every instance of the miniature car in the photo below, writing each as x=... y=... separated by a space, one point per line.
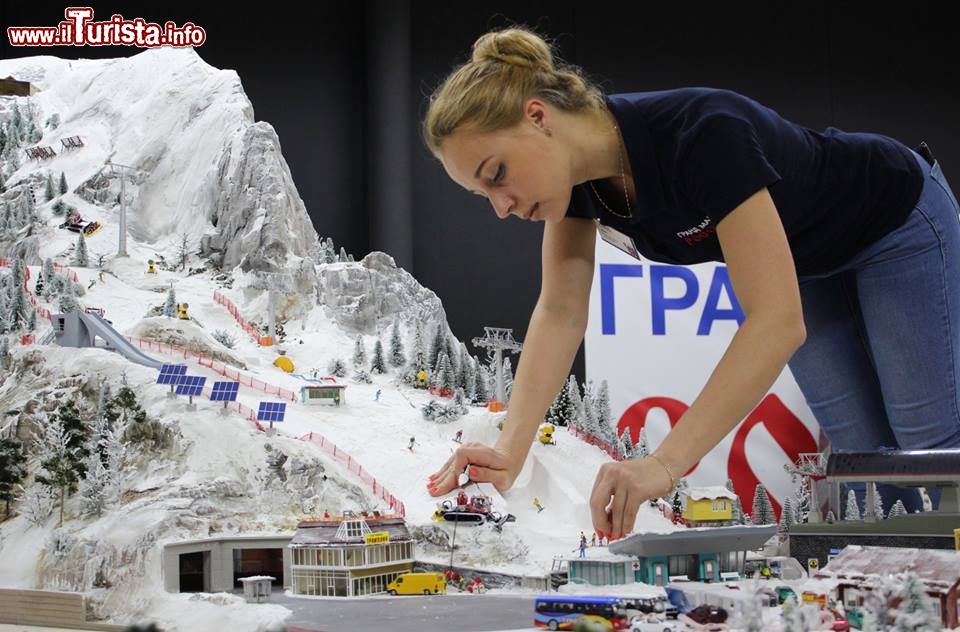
x=652 y=624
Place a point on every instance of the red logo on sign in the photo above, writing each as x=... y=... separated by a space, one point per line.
x=785 y=427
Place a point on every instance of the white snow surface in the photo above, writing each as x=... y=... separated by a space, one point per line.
x=216 y=480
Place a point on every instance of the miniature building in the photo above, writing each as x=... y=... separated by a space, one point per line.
x=708 y=506
x=653 y=558
x=350 y=555
x=328 y=392
x=927 y=530
x=938 y=570
x=218 y=564
x=10 y=87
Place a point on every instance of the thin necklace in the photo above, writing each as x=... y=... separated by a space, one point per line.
x=623 y=177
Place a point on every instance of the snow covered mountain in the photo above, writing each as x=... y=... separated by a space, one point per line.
x=212 y=200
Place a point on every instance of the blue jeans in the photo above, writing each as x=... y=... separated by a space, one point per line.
x=880 y=364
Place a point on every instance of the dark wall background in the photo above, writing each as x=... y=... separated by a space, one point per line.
x=345 y=88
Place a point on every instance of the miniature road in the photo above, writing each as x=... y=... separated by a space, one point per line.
x=464 y=613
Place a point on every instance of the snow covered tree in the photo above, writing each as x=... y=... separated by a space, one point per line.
x=642 y=448
x=626 y=444
x=470 y=378
x=418 y=358
x=442 y=373
x=363 y=377
x=48 y=271
x=19 y=309
x=37 y=504
x=786 y=517
x=127 y=407
x=762 y=509
x=507 y=378
x=677 y=507
x=377 y=364
x=12 y=470
x=877 y=502
x=463 y=367
x=359 y=353
x=559 y=409
x=483 y=380
x=48 y=190
x=184 y=248
x=93 y=488
x=337 y=368
x=397 y=358
x=575 y=405
x=4 y=349
x=831 y=518
x=436 y=346
x=68 y=302
x=80 y=256
x=170 y=306
x=63 y=183
x=329 y=253
x=602 y=407
x=343 y=255
x=590 y=417
x=915 y=612
x=62 y=464
x=898 y=509
x=853 y=509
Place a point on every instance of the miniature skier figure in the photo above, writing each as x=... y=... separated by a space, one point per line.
x=412 y=441
x=583 y=546
x=377 y=398
x=91 y=284
x=100 y=276
x=462 y=499
x=536 y=503
x=459 y=436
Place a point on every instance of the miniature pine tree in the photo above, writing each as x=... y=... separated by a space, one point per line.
x=626 y=444
x=343 y=255
x=853 y=510
x=58 y=460
x=170 y=306
x=642 y=448
x=470 y=387
x=560 y=410
x=377 y=365
x=93 y=488
x=63 y=183
x=483 y=379
x=575 y=407
x=786 y=516
x=329 y=254
x=436 y=346
x=602 y=407
x=32 y=321
x=590 y=417
x=68 y=302
x=762 y=509
x=676 y=506
x=397 y=358
x=462 y=368
x=126 y=406
x=831 y=517
x=4 y=348
x=19 y=309
x=337 y=367
x=13 y=470
x=418 y=360
x=447 y=376
x=48 y=190
x=915 y=611
x=80 y=256
x=507 y=378
x=877 y=502
x=897 y=510
x=47 y=271
x=359 y=353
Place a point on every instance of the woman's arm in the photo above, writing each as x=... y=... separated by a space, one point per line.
x=764 y=279
x=554 y=334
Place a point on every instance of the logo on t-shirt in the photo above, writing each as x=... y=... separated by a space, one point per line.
x=698 y=233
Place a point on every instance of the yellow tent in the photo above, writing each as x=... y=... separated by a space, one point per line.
x=283 y=362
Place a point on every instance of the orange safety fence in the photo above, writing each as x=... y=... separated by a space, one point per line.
x=351 y=464
x=254 y=333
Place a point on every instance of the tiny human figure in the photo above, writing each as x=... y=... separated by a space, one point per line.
x=326 y=515
x=100 y=276
x=536 y=503
x=459 y=436
x=377 y=398
x=412 y=441
x=593 y=540
x=91 y=284
x=583 y=547
x=461 y=498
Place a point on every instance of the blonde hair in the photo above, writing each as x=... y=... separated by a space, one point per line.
x=507 y=68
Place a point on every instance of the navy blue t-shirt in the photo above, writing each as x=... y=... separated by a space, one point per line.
x=698 y=153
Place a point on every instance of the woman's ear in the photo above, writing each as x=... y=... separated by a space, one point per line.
x=536 y=112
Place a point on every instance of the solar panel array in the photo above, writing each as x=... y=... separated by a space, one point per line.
x=272 y=411
x=191 y=385
x=225 y=391
x=171 y=373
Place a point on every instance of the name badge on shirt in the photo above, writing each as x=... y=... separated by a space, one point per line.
x=618 y=240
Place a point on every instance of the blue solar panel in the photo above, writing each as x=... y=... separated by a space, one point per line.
x=191 y=385
x=225 y=391
x=272 y=411
x=171 y=373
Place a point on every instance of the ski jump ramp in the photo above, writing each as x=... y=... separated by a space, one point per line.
x=80 y=329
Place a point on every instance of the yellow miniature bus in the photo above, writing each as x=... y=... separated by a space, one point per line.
x=418 y=584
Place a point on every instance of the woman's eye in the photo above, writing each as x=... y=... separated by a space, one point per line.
x=500 y=173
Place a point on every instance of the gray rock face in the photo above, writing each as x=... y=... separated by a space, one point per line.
x=360 y=296
x=259 y=216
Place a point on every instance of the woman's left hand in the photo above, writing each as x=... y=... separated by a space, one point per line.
x=620 y=489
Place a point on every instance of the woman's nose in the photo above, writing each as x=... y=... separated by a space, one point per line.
x=502 y=206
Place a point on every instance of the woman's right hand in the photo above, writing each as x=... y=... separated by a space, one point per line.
x=486 y=465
